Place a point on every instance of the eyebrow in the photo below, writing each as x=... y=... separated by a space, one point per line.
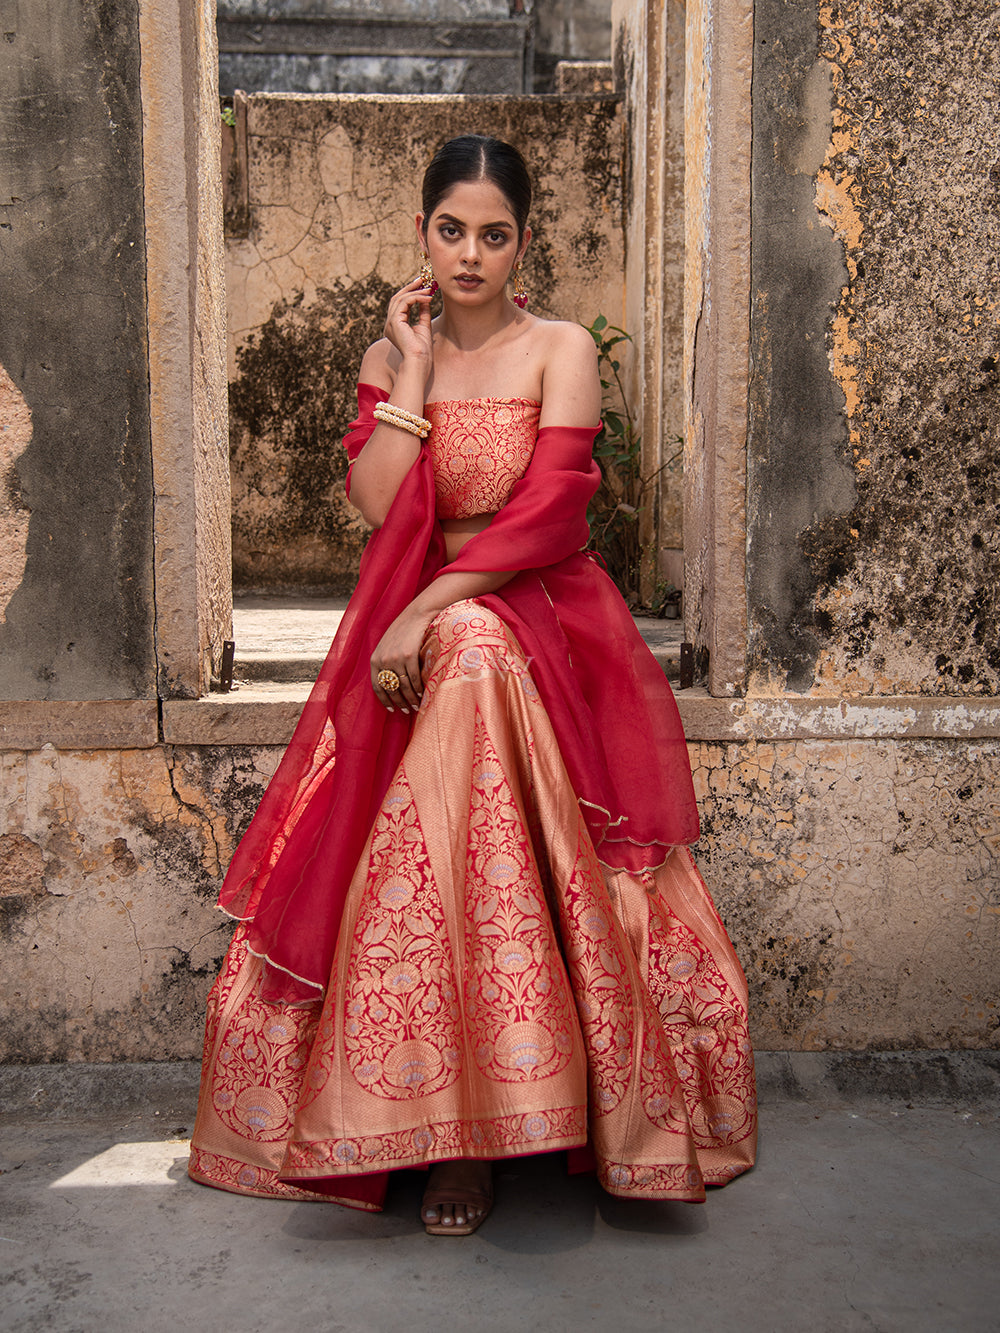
x=489 y=226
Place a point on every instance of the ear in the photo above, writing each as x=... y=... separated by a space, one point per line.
x=524 y=245
x=421 y=239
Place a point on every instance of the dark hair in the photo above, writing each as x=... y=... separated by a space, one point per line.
x=477 y=157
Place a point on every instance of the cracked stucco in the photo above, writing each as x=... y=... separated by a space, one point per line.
x=857 y=878
x=861 y=883
x=111 y=862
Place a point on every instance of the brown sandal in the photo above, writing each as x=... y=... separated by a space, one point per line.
x=434 y=1198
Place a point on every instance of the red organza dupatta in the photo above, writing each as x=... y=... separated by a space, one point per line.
x=610 y=705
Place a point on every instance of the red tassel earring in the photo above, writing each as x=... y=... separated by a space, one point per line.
x=520 y=295
x=426 y=275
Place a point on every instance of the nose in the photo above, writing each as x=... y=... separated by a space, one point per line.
x=470 y=250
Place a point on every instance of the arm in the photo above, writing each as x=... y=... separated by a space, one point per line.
x=571 y=383
x=400 y=363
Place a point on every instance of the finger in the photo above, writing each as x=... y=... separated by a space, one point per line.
x=411 y=682
x=384 y=698
x=422 y=299
x=403 y=698
x=406 y=691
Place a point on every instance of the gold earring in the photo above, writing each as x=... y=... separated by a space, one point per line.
x=426 y=274
x=520 y=295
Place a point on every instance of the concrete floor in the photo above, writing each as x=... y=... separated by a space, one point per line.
x=873 y=1216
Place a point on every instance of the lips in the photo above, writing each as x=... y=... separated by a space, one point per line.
x=468 y=282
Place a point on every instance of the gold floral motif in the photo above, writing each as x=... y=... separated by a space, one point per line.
x=401 y=1033
x=487 y=1137
x=478 y=450
x=254 y=1081
x=517 y=998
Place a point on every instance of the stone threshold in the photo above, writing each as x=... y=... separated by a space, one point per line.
x=285 y=638
x=169 y=1089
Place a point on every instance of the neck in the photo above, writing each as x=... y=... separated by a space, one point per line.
x=470 y=330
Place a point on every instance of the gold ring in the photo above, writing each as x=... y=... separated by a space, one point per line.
x=388 y=680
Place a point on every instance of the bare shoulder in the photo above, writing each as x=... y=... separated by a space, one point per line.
x=379 y=365
x=571 y=385
x=564 y=338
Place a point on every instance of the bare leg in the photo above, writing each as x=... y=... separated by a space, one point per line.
x=461 y=1176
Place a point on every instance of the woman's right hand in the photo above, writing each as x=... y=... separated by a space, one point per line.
x=412 y=341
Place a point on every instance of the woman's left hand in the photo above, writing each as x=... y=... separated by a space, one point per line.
x=398 y=650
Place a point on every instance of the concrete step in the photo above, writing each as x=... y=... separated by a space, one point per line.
x=286 y=639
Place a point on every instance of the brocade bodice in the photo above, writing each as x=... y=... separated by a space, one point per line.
x=479 y=448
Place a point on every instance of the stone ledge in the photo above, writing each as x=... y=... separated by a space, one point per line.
x=89 y=724
x=169 y=1089
x=899 y=717
x=265 y=714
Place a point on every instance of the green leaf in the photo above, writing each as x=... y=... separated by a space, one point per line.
x=599 y=323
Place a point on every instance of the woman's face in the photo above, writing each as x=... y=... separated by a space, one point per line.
x=472 y=242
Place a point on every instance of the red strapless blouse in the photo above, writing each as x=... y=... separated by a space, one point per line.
x=478 y=450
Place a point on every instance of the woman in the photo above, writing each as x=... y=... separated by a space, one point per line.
x=471 y=926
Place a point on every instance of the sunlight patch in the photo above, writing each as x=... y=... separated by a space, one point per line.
x=130 y=1164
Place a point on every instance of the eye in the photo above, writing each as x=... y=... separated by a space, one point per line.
x=496 y=237
x=449 y=229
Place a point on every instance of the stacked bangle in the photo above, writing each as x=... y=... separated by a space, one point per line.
x=398 y=416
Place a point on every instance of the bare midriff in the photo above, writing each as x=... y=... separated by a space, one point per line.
x=457 y=531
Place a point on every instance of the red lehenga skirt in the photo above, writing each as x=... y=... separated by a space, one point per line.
x=495 y=991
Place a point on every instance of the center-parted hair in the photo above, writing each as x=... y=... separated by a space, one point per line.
x=478 y=157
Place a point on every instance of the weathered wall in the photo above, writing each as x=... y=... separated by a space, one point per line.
x=875 y=398
x=858 y=880
x=109 y=865
x=364 y=46
x=334 y=187
x=649 y=70
x=569 y=30
x=852 y=844
x=72 y=348
x=187 y=358
x=717 y=196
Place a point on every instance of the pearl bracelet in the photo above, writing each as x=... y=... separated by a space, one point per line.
x=403 y=420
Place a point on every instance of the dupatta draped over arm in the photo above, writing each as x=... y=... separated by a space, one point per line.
x=612 y=710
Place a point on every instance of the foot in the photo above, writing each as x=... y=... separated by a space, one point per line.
x=460 y=1214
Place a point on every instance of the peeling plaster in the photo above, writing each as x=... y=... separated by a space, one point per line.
x=15 y=436
x=908 y=586
x=873 y=484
